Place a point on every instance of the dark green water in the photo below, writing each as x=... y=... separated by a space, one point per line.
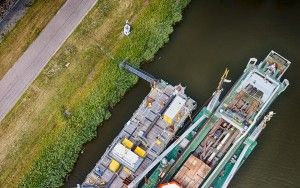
x=214 y=35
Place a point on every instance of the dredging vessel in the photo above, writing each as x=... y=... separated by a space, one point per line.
x=153 y=150
x=212 y=152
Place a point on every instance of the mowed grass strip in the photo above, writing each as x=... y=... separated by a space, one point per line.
x=25 y=31
x=84 y=80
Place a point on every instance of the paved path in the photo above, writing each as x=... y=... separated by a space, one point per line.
x=30 y=64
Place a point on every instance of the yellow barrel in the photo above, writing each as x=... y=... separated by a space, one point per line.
x=126 y=142
x=140 y=152
x=168 y=120
x=127 y=170
x=114 y=165
x=158 y=142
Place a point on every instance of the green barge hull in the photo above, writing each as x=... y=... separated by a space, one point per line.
x=239 y=115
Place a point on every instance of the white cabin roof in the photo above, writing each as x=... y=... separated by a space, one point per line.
x=175 y=107
x=261 y=83
x=125 y=156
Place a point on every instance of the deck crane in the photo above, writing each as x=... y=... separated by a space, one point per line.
x=214 y=102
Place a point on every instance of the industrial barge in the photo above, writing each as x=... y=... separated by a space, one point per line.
x=212 y=148
x=150 y=129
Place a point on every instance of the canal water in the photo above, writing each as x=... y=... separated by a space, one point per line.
x=215 y=34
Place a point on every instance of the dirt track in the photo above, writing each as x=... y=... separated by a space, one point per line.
x=34 y=59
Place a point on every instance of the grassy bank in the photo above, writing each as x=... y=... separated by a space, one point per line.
x=46 y=141
x=25 y=31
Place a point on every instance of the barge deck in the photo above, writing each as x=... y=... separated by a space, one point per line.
x=151 y=128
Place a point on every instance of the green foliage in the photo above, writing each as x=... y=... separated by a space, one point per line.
x=151 y=31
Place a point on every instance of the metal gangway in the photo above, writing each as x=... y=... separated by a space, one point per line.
x=138 y=72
